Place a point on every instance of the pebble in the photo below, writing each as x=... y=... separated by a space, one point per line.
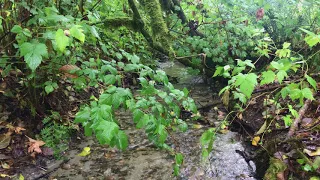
x=66 y=166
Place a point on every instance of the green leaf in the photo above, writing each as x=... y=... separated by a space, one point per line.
x=307 y=167
x=33 y=53
x=312 y=40
x=286 y=45
x=179 y=158
x=287 y=120
x=268 y=77
x=130 y=67
x=276 y=65
x=87 y=129
x=295 y=94
x=219 y=71
x=242 y=98
x=77 y=33
x=311 y=81
x=137 y=115
x=307 y=93
x=143 y=121
x=162 y=133
x=237 y=70
x=247 y=83
x=109 y=79
x=16 y=29
x=183 y=126
x=121 y=140
x=206 y=137
x=106 y=131
x=62 y=40
x=281 y=75
x=135 y=59
x=106 y=99
x=94 y=32
x=83 y=115
x=176 y=169
x=49 y=88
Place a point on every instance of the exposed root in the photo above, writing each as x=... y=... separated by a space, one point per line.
x=296 y=122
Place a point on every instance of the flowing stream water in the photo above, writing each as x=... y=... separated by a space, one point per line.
x=144 y=161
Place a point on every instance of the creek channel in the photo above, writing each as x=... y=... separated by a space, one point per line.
x=144 y=161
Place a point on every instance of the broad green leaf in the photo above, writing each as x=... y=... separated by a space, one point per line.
x=105 y=98
x=109 y=79
x=281 y=75
x=143 y=121
x=219 y=71
x=83 y=115
x=87 y=129
x=137 y=115
x=135 y=59
x=312 y=40
x=287 y=120
x=183 y=126
x=295 y=94
x=130 y=67
x=120 y=140
x=33 y=53
x=107 y=130
x=242 y=98
x=307 y=93
x=49 y=89
x=268 y=77
x=311 y=81
x=16 y=29
x=246 y=83
x=276 y=65
x=62 y=40
x=77 y=33
x=206 y=137
x=286 y=45
x=237 y=70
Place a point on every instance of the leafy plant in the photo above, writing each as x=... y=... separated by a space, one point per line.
x=55 y=134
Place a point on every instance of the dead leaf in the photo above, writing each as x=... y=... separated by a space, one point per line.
x=69 y=70
x=255 y=141
x=240 y=116
x=280 y=176
x=5 y=140
x=262 y=128
x=5 y=165
x=225 y=98
x=19 y=129
x=34 y=145
x=4 y=175
x=312 y=153
x=221 y=115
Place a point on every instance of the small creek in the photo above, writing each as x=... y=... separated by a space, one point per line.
x=144 y=161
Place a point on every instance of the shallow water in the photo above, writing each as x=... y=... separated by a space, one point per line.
x=144 y=161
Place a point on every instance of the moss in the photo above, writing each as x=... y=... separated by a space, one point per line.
x=276 y=166
x=158 y=26
x=118 y=22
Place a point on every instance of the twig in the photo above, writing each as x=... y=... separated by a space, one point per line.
x=298 y=119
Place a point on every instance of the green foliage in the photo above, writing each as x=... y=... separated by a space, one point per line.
x=55 y=134
x=33 y=53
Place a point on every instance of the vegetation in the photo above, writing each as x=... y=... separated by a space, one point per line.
x=106 y=53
